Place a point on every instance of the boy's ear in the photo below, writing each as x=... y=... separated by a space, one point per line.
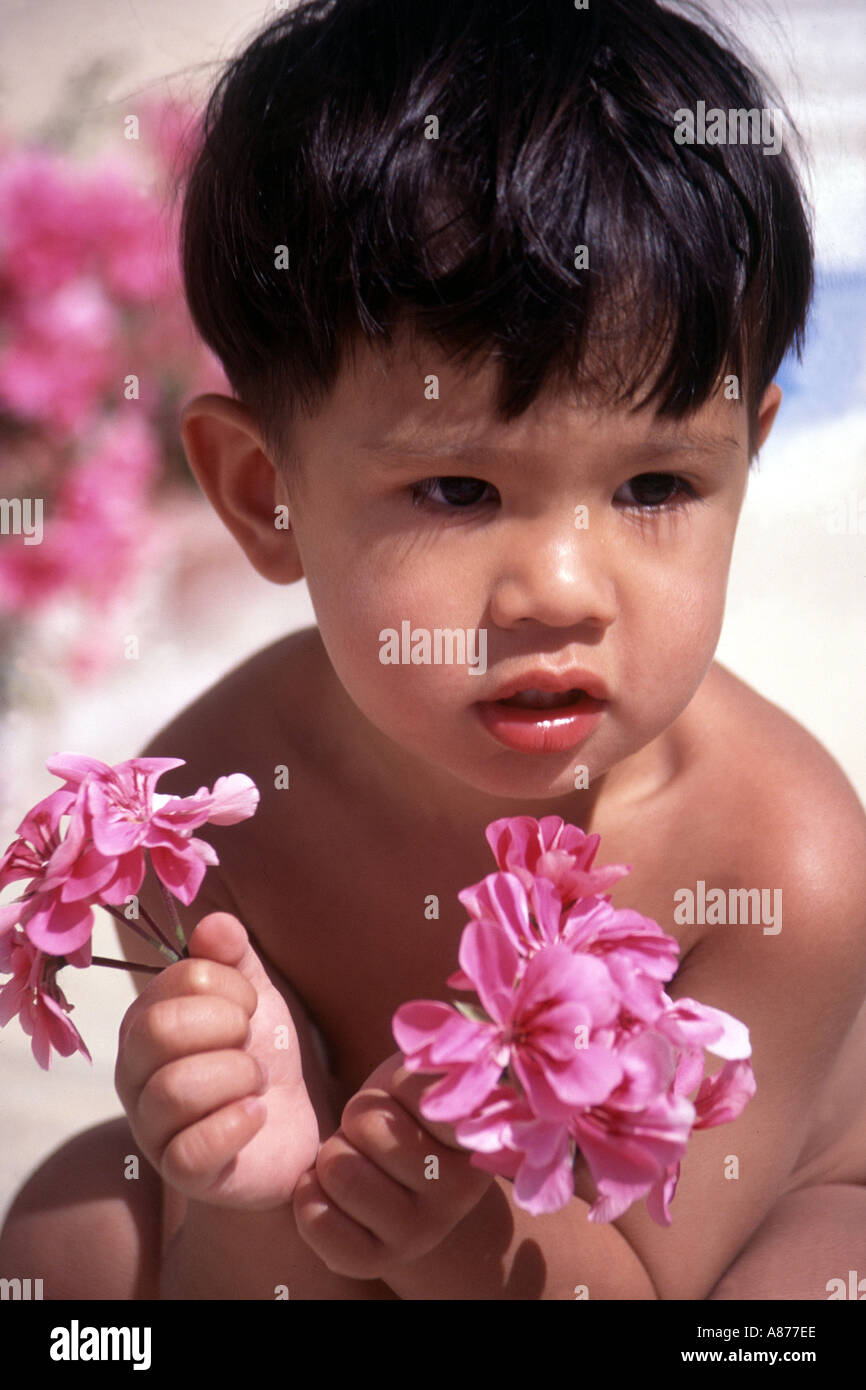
x=767 y=412
x=227 y=456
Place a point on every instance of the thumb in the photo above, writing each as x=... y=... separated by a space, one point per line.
x=222 y=937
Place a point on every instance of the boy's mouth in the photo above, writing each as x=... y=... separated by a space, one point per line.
x=544 y=699
x=545 y=711
x=542 y=688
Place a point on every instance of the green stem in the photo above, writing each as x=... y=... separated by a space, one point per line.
x=166 y=951
x=151 y=922
x=126 y=965
x=175 y=920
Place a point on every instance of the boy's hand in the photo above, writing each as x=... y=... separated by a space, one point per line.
x=209 y=1074
x=374 y=1201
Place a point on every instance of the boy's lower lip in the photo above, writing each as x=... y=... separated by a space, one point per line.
x=541 y=730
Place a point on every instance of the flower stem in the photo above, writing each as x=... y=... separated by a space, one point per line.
x=126 y=965
x=175 y=920
x=151 y=922
x=164 y=950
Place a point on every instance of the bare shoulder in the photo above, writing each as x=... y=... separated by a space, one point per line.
x=240 y=713
x=769 y=821
x=250 y=721
x=788 y=938
x=88 y=1221
x=253 y=721
x=787 y=806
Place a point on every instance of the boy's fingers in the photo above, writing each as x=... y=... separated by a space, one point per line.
x=342 y=1244
x=408 y=1088
x=196 y=1157
x=221 y=937
x=184 y=1092
x=175 y=1028
x=191 y=977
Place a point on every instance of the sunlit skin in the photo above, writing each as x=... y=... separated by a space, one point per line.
x=393 y=780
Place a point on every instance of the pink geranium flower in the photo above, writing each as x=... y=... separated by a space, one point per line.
x=83 y=845
x=553 y=850
x=638 y=954
x=35 y=996
x=530 y=1028
x=114 y=815
x=56 y=910
x=127 y=816
x=529 y=917
x=573 y=1002
x=509 y=1140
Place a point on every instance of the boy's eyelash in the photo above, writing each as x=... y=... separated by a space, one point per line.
x=421 y=492
x=683 y=495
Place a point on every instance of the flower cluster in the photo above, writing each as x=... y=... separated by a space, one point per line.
x=576 y=1047
x=88 y=281
x=84 y=845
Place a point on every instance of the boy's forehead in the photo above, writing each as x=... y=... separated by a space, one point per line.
x=414 y=400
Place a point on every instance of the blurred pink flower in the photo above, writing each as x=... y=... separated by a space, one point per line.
x=42 y=243
x=98 y=530
x=128 y=234
x=90 y=295
x=61 y=357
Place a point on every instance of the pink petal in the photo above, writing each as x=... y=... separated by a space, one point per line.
x=692 y=1024
x=490 y=960
x=416 y=1024
x=501 y=899
x=549 y=1188
x=182 y=874
x=57 y=927
x=462 y=1091
x=724 y=1096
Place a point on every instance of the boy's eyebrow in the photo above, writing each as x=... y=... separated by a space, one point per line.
x=698 y=442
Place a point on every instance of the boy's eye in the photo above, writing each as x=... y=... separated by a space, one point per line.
x=654 y=491
x=454 y=492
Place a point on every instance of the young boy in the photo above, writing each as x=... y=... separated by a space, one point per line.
x=503 y=347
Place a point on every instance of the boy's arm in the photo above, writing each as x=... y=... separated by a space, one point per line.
x=799 y=993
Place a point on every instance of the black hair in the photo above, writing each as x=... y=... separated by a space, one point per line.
x=555 y=130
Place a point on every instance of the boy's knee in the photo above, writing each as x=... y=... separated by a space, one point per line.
x=87 y=1222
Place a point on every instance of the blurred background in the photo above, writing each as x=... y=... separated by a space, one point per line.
x=95 y=99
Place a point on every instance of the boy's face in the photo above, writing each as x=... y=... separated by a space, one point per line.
x=631 y=591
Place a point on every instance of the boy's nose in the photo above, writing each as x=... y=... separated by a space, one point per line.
x=560 y=580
